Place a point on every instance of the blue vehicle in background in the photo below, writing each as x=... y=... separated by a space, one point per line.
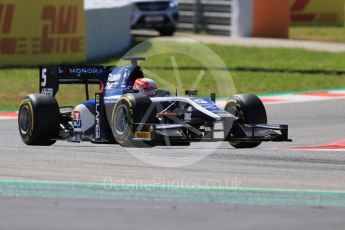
x=161 y=15
x=120 y=114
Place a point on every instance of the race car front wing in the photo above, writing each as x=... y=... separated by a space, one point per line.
x=239 y=133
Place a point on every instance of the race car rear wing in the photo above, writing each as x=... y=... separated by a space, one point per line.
x=52 y=76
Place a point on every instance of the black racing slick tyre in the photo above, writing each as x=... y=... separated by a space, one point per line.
x=39 y=119
x=130 y=110
x=249 y=109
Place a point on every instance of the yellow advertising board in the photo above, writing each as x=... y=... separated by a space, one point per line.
x=317 y=12
x=34 y=32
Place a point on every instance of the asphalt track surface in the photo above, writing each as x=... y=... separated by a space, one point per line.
x=267 y=188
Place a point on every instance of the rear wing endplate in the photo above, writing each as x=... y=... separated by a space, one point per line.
x=52 y=76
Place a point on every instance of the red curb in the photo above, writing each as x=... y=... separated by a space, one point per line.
x=9 y=115
x=325 y=94
x=340 y=145
x=269 y=100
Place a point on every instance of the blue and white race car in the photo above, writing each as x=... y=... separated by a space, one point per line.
x=122 y=114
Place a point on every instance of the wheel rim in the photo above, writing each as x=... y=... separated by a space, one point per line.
x=121 y=120
x=24 y=120
x=234 y=110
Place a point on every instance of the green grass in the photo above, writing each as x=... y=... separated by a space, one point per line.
x=327 y=34
x=261 y=82
x=253 y=70
x=16 y=83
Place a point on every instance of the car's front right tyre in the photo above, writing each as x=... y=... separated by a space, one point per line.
x=249 y=109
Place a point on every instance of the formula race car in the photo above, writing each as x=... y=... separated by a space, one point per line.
x=122 y=114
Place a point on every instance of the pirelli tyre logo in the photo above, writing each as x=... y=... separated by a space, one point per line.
x=49 y=28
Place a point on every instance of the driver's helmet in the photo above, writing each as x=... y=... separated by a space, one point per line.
x=145 y=85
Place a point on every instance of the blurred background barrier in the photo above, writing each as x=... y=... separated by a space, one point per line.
x=317 y=12
x=108 y=24
x=244 y=18
x=36 y=32
x=271 y=18
x=212 y=16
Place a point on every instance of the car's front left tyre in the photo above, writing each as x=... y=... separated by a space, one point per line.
x=129 y=111
x=38 y=119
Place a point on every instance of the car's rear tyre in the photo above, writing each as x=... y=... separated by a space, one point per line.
x=38 y=119
x=250 y=110
x=166 y=31
x=130 y=110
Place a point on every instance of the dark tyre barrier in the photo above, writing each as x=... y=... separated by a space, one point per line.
x=168 y=31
